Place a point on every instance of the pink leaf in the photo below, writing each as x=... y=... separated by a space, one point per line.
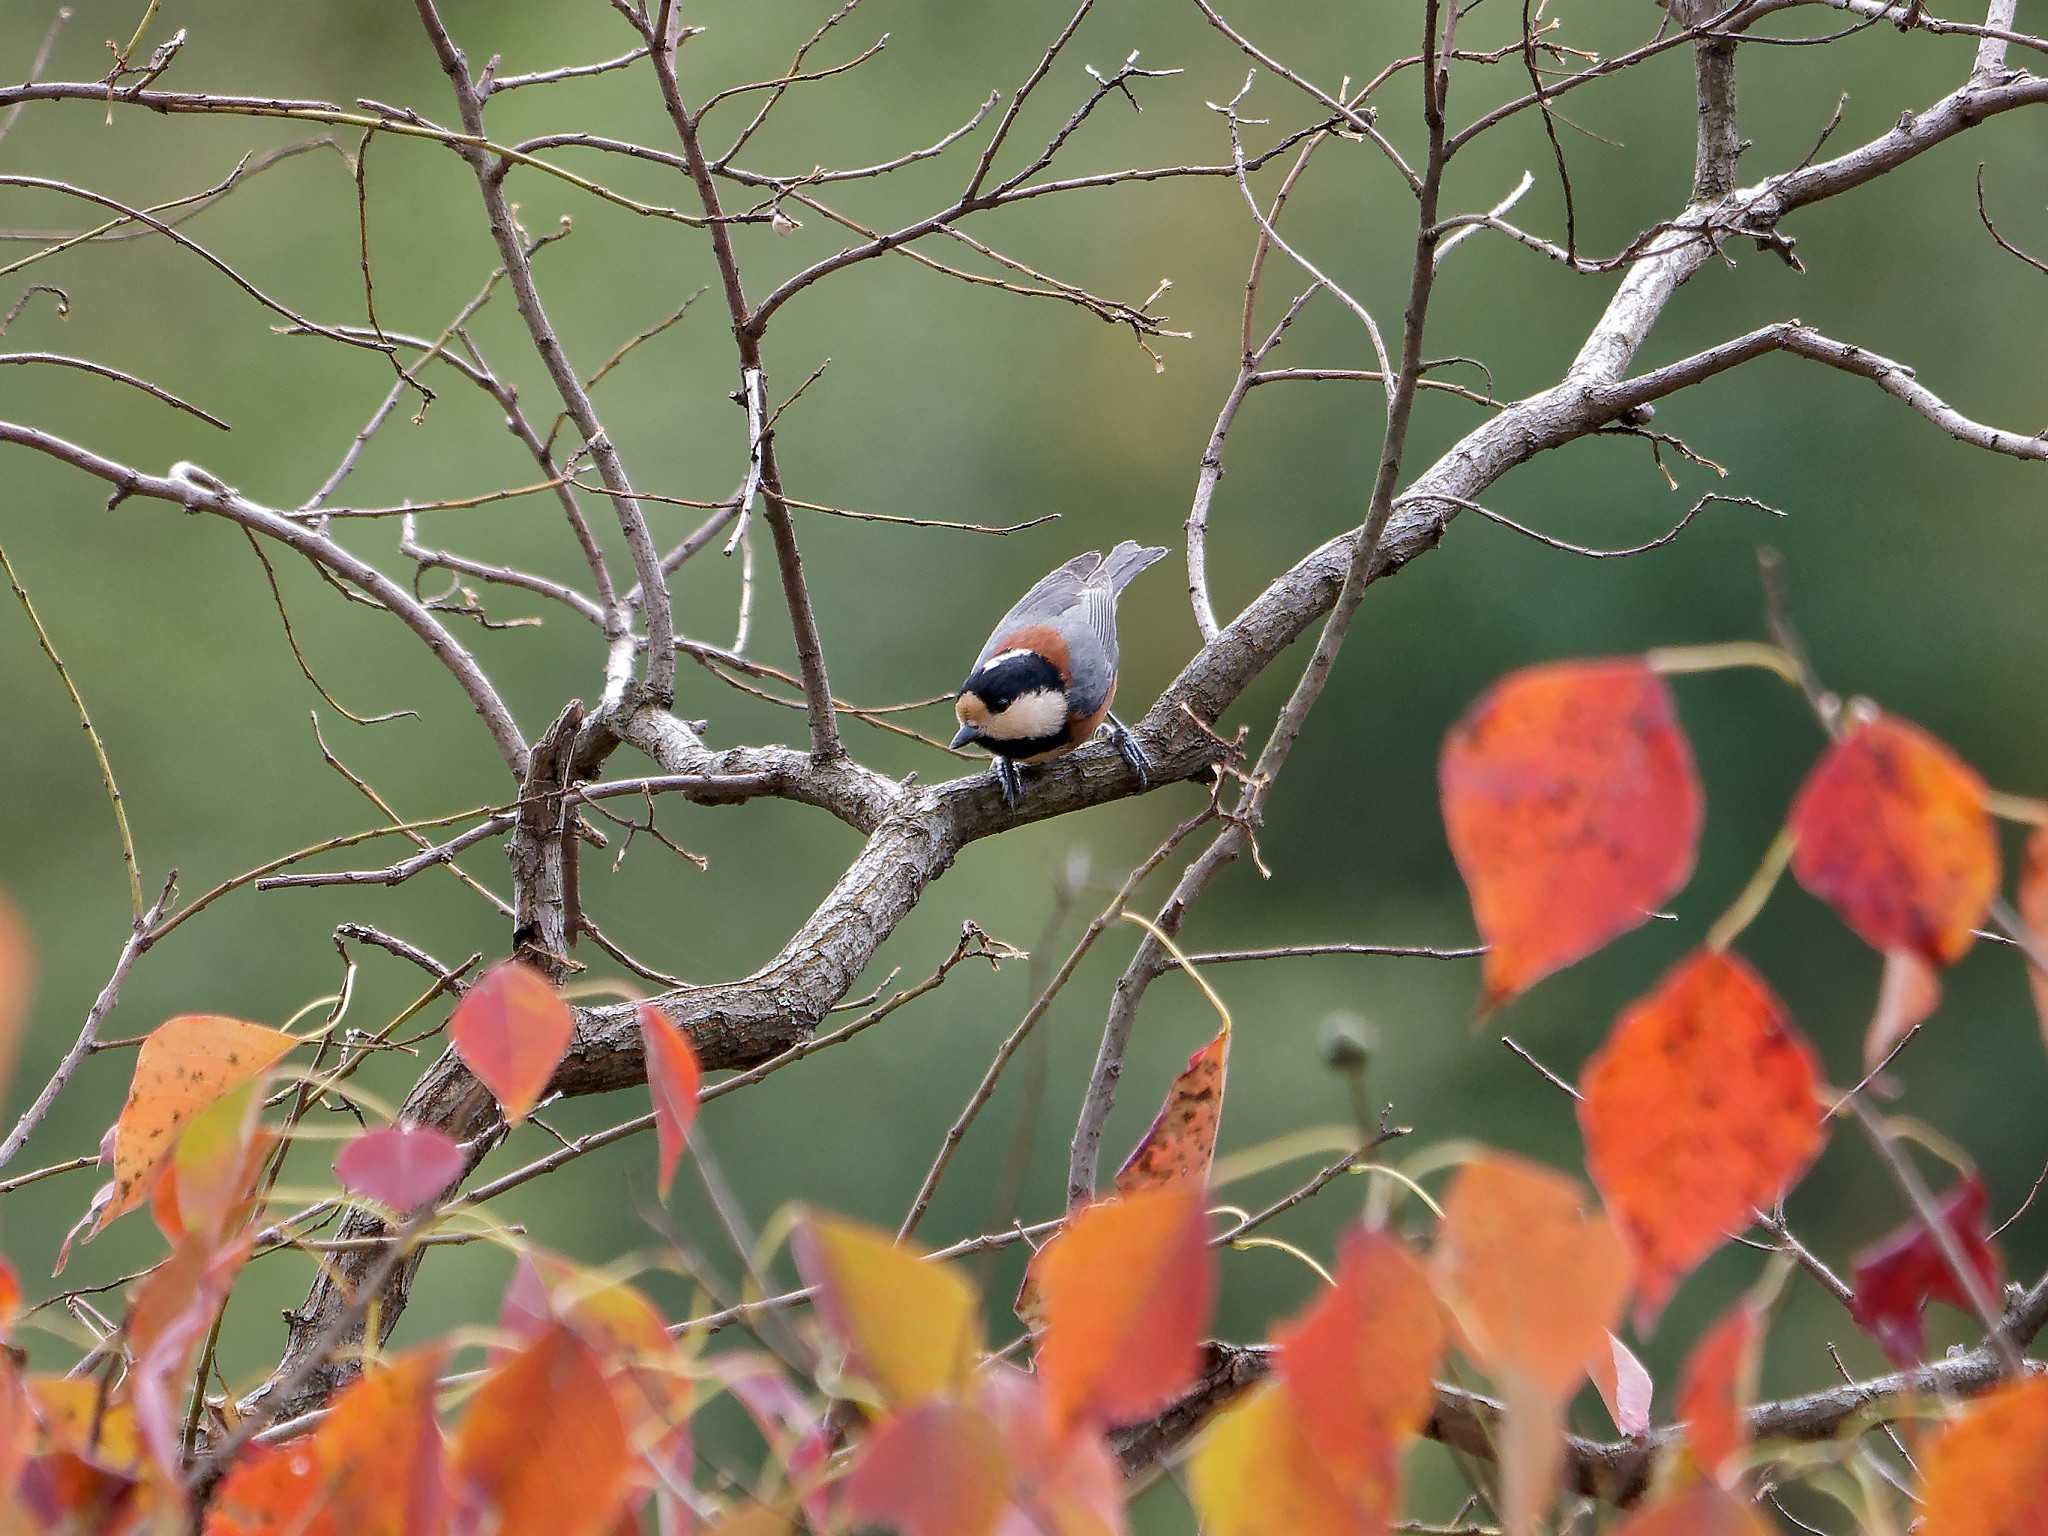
x=1624 y=1386
x=401 y=1166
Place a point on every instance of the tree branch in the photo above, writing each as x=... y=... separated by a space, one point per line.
x=1615 y=1471
x=197 y=491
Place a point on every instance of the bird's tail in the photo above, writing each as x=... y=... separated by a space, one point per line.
x=1128 y=559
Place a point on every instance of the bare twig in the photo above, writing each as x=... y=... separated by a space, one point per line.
x=140 y=937
x=119 y=377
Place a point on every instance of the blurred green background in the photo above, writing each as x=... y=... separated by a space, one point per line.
x=1916 y=569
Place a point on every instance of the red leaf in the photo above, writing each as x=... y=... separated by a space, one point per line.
x=2033 y=895
x=511 y=1029
x=1719 y=1379
x=402 y=1167
x=1357 y=1362
x=937 y=1469
x=1985 y=1472
x=1893 y=834
x=673 y=1079
x=1897 y=1276
x=1573 y=812
x=1128 y=1285
x=1062 y=1481
x=1624 y=1386
x=1698 y=1108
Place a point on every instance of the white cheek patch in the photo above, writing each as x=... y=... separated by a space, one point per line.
x=1034 y=716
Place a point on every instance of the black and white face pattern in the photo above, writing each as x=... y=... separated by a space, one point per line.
x=1015 y=704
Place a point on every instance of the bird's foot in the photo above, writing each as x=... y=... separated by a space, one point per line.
x=1010 y=780
x=1127 y=746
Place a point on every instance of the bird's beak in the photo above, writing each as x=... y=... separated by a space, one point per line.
x=965 y=735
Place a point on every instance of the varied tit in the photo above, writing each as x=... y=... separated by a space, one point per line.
x=1046 y=678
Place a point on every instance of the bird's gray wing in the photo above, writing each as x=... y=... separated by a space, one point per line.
x=1105 y=584
x=1053 y=596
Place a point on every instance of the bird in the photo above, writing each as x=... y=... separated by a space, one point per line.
x=1044 y=682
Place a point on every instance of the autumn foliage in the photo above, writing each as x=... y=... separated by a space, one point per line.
x=1573 y=810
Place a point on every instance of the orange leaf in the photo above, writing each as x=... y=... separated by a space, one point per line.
x=673 y=1078
x=1533 y=1277
x=1573 y=812
x=1357 y=1362
x=937 y=1469
x=1985 y=1473
x=1181 y=1143
x=637 y=1350
x=1698 y=1108
x=1720 y=1377
x=568 y=1481
x=17 y=1423
x=1700 y=1511
x=1906 y=997
x=17 y=971
x=1893 y=834
x=272 y=1489
x=186 y=1064
x=511 y=1029
x=2034 y=913
x=1128 y=1286
x=1256 y=1472
x=380 y=1451
x=1624 y=1386
x=911 y=1328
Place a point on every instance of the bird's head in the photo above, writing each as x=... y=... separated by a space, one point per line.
x=1015 y=696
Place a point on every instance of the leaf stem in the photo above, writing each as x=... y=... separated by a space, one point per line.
x=1676 y=660
x=1753 y=896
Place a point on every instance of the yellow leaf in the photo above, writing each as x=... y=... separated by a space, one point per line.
x=1255 y=1472
x=911 y=1328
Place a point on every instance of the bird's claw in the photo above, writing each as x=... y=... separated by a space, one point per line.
x=1127 y=747
x=1010 y=781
